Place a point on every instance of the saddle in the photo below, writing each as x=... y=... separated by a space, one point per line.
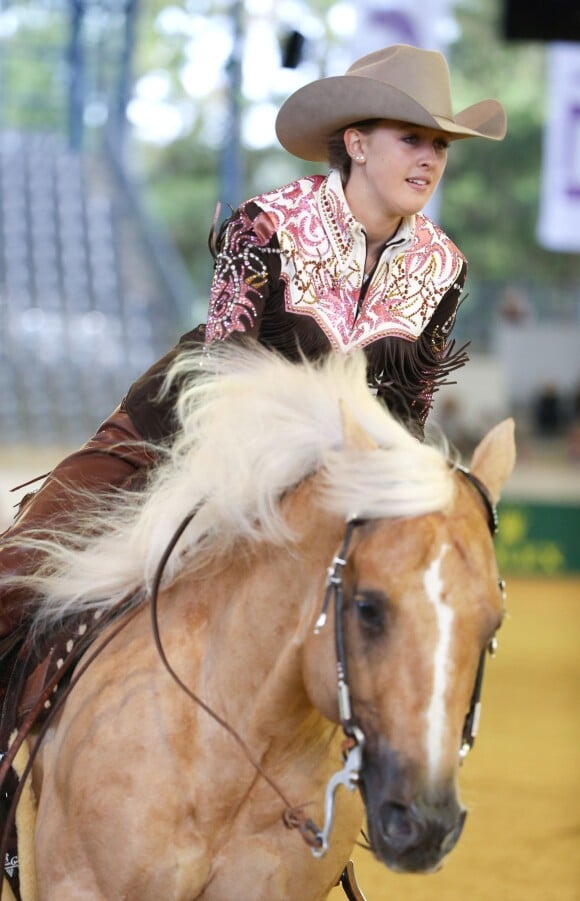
x=35 y=674
x=23 y=676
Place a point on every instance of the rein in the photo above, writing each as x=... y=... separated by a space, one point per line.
x=293 y=816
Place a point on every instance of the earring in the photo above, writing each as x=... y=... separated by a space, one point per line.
x=360 y=159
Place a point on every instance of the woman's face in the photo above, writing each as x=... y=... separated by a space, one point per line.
x=395 y=167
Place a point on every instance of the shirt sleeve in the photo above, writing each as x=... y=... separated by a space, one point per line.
x=244 y=253
x=246 y=264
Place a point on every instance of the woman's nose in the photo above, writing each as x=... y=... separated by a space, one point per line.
x=428 y=156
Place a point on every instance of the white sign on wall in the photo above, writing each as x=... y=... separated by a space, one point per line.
x=559 y=219
x=384 y=22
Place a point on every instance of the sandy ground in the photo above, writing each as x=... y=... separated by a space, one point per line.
x=522 y=780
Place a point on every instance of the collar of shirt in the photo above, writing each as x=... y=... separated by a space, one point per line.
x=347 y=234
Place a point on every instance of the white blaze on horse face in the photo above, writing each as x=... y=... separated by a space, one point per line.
x=436 y=710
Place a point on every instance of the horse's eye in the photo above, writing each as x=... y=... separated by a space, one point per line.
x=371 y=611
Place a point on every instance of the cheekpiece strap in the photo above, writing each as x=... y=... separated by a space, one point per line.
x=491 y=509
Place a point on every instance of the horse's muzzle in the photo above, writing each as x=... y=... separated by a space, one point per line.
x=411 y=827
x=415 y=838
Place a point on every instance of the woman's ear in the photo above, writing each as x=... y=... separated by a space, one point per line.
x=353 y=142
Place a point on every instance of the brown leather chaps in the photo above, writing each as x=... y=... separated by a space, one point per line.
x=112 y=457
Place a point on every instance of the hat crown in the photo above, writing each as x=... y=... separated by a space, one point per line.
x=421 y=74
x=399 y=83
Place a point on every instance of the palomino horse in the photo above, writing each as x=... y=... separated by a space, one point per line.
x=179 y=781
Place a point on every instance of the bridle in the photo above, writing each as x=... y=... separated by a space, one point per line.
x=349 y=776
x=471 y=725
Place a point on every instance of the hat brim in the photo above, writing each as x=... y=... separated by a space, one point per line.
x=309 y=117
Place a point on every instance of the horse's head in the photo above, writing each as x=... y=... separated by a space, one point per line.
x=422 y=601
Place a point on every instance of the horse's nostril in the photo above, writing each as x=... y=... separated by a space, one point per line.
x=452 y=837
x=399 y=826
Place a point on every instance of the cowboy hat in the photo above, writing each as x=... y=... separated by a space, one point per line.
x=401 y=83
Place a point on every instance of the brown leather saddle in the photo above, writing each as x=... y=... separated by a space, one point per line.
x=22 y=679
x=36 y=672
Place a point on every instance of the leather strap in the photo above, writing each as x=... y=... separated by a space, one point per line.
x=349 y=883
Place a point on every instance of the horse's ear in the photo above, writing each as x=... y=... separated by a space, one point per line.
x=355 y=437
x=494 y=457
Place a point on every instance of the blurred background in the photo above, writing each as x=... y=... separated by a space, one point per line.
x=124 y=122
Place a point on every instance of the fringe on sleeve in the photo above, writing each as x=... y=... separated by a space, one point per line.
x=408 y=373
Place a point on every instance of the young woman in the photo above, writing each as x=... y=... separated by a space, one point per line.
x=325 y=264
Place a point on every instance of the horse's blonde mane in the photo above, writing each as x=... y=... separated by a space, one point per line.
x=253 y=425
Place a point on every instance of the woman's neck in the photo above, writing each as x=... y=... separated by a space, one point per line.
x=379 y=226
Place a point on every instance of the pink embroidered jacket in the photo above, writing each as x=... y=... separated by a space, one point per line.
x=289 y=272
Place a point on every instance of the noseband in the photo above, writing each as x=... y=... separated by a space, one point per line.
x=350 y=774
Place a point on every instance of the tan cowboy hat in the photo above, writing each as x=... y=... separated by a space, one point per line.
x=402 y=83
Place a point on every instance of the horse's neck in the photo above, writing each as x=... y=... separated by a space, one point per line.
x=259 y=632
x=258 y=613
